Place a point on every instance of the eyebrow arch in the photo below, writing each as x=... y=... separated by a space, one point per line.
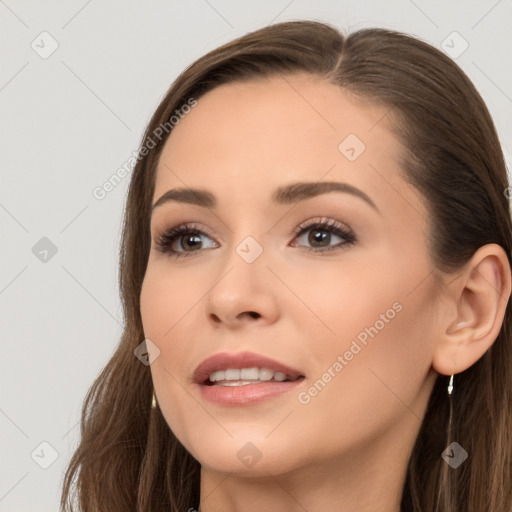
x=289 y=194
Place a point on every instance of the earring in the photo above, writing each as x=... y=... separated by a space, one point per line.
x=450 y=391
x=450 y=385
x=153 y=402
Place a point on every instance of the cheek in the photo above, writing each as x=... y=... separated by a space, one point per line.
x=164 y=300
x=374 y=351
x=384 y=368
x=340 y=301
x=169 y=305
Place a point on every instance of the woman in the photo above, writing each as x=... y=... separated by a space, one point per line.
x=278 y=366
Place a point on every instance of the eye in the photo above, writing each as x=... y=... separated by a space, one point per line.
x=321 y=235
x=184 y=240
x=166 y=242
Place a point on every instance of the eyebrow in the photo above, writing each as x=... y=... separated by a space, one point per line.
x=288 y=194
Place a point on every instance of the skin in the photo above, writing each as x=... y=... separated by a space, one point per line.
x=348 y=447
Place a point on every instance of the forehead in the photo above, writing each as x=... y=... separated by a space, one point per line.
x=247 y=139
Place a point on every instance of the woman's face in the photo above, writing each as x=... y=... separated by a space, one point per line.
x=355 y=315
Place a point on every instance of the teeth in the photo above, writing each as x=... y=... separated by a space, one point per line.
x=265 y=374
x=246 y=375
x=249 y=374
x=232 y=374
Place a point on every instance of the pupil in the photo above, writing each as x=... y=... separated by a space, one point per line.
x=318 y=235
x=190 y=237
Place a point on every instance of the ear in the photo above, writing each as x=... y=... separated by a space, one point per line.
x=473 y=311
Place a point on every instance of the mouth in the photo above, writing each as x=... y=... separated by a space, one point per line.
x=244 y=379
x=245 y=376
x=226 y=368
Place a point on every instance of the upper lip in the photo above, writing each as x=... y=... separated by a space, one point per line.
x=224 y=360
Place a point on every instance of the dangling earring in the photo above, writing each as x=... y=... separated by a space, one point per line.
x=445 y=492
x=153 y=402
x=450 y=391
x=450 y=385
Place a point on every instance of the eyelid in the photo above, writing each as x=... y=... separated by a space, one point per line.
x=326 y=222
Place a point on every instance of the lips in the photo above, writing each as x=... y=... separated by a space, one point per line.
x=224 y=360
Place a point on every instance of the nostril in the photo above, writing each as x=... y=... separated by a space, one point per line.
x=252 y=314
x=215 y=318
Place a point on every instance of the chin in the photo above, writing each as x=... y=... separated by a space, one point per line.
x=251 y=456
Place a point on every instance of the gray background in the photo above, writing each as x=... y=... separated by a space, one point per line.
x=69 y=121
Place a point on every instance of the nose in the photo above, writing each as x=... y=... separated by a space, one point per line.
x=245 y=293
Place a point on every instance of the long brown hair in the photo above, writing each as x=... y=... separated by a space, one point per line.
x=128 y=459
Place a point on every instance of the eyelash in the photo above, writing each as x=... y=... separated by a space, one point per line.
x=165 y=240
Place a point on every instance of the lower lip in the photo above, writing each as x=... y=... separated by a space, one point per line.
x=247 y=394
